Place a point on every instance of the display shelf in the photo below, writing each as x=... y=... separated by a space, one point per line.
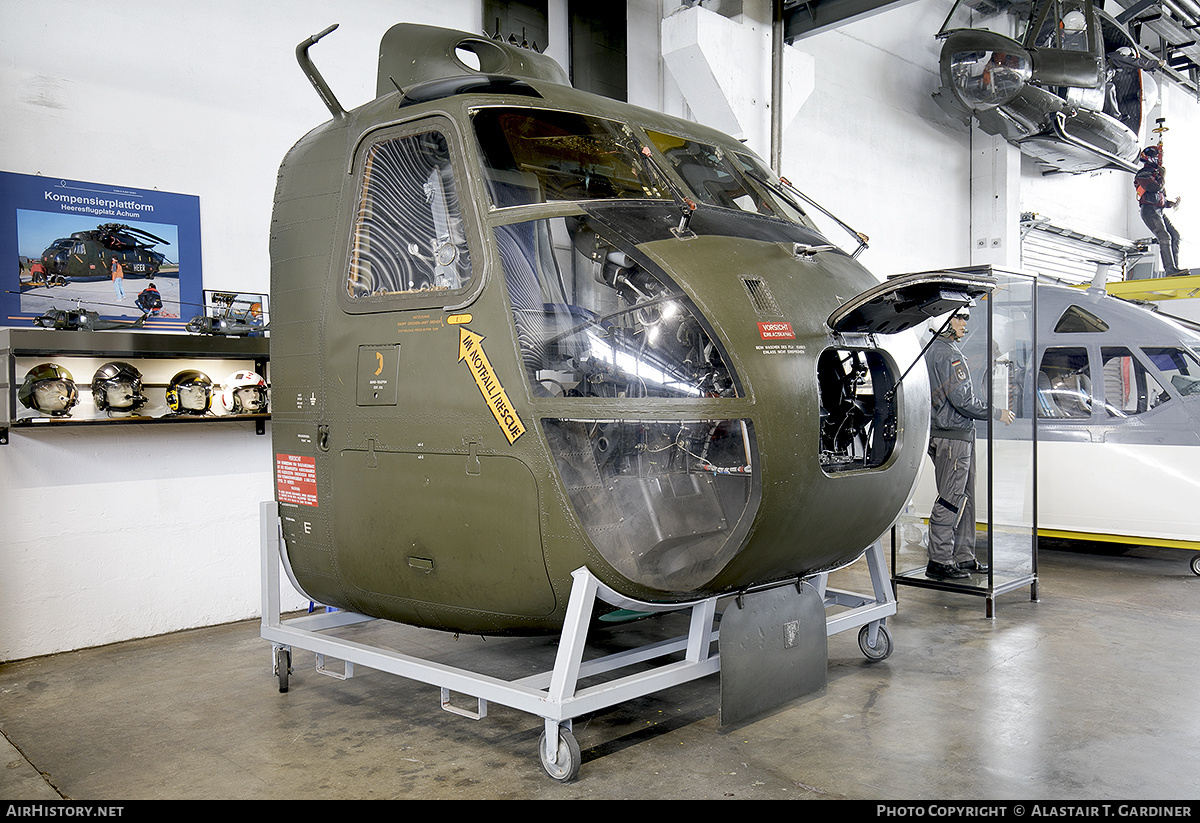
x=158 y=357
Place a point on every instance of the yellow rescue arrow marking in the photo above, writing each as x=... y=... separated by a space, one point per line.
x=471 y=350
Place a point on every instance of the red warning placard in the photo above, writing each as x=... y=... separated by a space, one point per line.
x=296 y=479
x=776 y=331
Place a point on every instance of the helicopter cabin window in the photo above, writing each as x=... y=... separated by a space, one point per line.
x=1075 y=319
x=1065 y=26
x=594 y=322
x=987 y=78
x=1179 y=366
x=1064 y=384
x=1129 y=388
x=858 y=409
x=408 y=233
x=538 y=156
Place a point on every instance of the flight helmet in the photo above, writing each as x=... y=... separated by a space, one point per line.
x=244 y=392
x=190 y=392
x=117 y=386
x=50 y=389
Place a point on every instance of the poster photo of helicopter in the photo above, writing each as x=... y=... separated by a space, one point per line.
x=70 y=259
x=68 y=238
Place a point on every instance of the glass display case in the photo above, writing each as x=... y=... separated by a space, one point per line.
x=999 y=348
x=55 y=378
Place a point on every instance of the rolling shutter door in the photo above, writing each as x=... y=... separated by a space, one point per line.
x=1071 y=256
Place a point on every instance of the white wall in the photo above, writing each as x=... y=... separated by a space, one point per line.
x=109 y=534
x=872 y=146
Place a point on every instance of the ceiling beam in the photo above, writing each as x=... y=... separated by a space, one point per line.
x=809 y=17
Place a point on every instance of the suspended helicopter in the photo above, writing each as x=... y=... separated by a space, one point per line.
x=529 y=331
x=90 y=253
x=1072 y=90
x=1115 y=389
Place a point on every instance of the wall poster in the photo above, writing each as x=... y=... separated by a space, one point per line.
x=59 y=240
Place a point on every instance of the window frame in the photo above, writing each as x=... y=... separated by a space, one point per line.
x=1146 y=372
x=445 y=125
x=1039 y=397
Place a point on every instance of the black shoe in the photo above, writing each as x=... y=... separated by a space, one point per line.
x=973 y=565
x=944 y=571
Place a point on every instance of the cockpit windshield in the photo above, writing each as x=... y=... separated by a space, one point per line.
x=539 y=156
x=723 y=179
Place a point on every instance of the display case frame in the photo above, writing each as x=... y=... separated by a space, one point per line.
x=160 y=352
x=1006 y=455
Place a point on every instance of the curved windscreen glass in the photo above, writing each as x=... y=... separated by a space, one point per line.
x=594 y=322
x=985 y=78
x=666 y=502
x=538 y=156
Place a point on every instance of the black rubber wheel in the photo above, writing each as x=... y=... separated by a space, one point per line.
x=569 y=758
x=1196 y=564
x=283 y=666
x=883 y=643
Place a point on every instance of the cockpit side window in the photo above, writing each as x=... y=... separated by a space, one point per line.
x=1129 y=387
x=408 y=236
x=1179 y=366
x=1064 y=26
x=1064 y=384
x=1077 y=320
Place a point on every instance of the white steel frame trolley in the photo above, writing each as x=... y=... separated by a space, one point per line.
x=555 y=695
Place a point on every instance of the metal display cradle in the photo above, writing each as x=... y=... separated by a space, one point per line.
x=157 y=355
x=1000 y=348
x=556 y=695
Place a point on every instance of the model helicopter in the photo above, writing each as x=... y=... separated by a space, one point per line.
x=83 y=320
x=1072 y=91
x=231 y=315
x=90 y=253
x=530 y=329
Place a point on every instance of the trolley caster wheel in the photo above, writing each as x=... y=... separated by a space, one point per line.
x=883 y=643
x=1196 y=564
x=283 y=666
x=567 y=766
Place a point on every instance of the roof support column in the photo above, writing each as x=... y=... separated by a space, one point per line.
x=995 y=201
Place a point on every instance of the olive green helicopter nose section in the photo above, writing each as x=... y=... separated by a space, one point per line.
x=519 y=330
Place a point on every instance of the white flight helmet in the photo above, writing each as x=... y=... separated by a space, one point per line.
x=244 y=392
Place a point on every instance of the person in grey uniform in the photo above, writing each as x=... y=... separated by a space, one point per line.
x=955 y=408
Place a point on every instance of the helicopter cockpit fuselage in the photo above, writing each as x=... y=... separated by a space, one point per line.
x=521 y=329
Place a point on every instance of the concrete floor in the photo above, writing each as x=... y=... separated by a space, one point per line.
x=1086 y=694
